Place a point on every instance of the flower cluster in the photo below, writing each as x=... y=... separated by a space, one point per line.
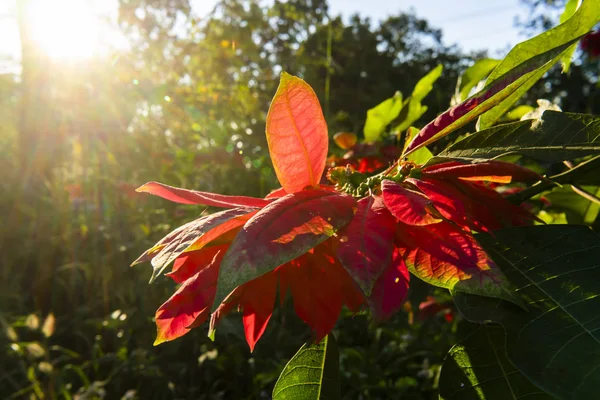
x=325 y=246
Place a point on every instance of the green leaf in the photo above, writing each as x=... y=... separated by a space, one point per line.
x=471 y=77
x=414 y=107
x=477 y=368
x=313 y=373
x=556 y=343
x=555 y=137
x=570 y=9
x=491 y=95
x=578 y=209
x=561 y=36
x=379 y=117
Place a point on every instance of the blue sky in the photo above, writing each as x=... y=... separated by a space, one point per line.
x=474 y=24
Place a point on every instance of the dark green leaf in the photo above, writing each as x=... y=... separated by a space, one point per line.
x=556 y=343
x=580 y=23
x=477 y=368
x=555 y=137
x=313 y=373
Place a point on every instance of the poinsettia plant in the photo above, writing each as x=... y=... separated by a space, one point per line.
x=351 y=231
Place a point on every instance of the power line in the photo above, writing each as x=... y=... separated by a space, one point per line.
x=471 y=15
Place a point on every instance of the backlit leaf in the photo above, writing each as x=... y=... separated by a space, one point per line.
x=319 y=286
x=379 y=117
x=258 y=248
x=471 y=77
x=185 y=196
x=296 y=134
x=408 y=206
x=194 y=235
x=312 y=374
x=414 y=108
x=190 y=304
x=188 y=264
x=568 y=12
x=563 y=37
x=486 y=99
x=556 y=343
x=258 y=308
x=445 y=256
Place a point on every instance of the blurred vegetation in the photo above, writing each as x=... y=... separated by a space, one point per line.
x=185 y=105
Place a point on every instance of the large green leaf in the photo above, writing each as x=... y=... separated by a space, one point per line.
x=580 y=23
x=556 y=343
x=472 y=76
x=313 y=373
x=477 y=368
x=379 y=117
x=414 y=108
x=555 y=137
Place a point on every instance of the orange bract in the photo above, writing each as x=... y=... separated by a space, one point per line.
x=297 y=135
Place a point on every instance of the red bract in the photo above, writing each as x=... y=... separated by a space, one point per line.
x=235 y=259
x=321 y=245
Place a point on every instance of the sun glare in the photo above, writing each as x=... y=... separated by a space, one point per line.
x=67 y=29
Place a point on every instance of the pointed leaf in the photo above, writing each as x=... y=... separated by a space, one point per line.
x=477 y=368
x=312 y=374
x=555 y=137
x=563 y=36
x=492 y=94
x=414 y=107
x=380 y=116
x=196 y=234
x=264 y=242
x=556 y=343
x=368 y=242
x=190 y=304
x=445 y=256
x=258 y=303
x=297 y=135
x=408 y=206
x=185 y=196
